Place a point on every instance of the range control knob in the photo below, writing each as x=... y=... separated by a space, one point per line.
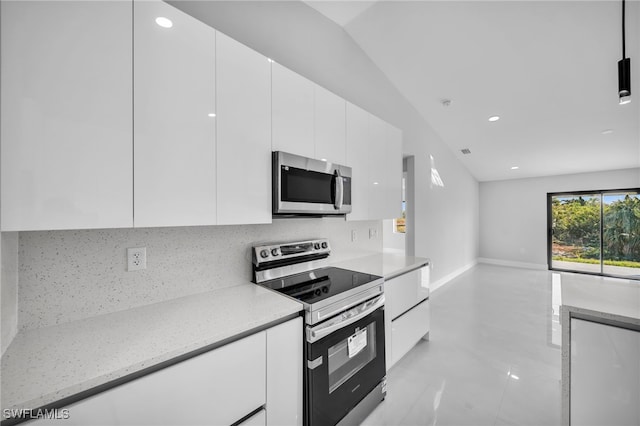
x=324 y=244
x=316 y=246
x=274 y=252
x=264 y=254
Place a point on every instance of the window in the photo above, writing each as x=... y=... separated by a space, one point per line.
x=596 y=232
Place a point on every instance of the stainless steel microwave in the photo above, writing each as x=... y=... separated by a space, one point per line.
x=304 y=186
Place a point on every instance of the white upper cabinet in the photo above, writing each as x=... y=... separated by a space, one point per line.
x=377 y=178
x=293 y=112
x=374 y=152
x=66 y=115
x=174 y=115
x=243 y=94
x=329 y=126
x=358 y=158
x=392 y=176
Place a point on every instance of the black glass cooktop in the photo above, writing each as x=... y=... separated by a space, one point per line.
x=319 y=284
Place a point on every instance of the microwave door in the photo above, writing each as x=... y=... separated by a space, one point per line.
x=309 y=187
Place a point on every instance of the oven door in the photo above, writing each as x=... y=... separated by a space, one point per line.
x=345 y=362
x=306 y=186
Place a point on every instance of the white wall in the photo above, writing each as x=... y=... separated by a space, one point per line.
x=392 y=241
x=513 y=213
x=304 y=40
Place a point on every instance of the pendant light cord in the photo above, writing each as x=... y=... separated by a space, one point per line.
x=623 y=31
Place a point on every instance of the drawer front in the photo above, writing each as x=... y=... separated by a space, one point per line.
x=258 y=419
x=407 y=330
x=406 y=291
x=218 y=387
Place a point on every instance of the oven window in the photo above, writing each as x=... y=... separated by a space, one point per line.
x=346 y=360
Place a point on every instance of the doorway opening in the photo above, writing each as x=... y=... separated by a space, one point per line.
x=398 y=233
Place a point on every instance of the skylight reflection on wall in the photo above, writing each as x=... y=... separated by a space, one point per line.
x=436 y=180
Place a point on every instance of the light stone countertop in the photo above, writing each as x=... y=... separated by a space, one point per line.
x=609 y=298
x=387 y=265
x=609 y=301
x=45 y=365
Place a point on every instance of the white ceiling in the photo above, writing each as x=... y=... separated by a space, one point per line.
x=547 y=68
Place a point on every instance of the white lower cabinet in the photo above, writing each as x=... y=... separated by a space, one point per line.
x=258 y=419
x=408 y=329
x=284 y=374
x=605 y=374
x=219 y=387
x=407 y=315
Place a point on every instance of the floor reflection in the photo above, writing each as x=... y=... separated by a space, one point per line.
x=489 y=360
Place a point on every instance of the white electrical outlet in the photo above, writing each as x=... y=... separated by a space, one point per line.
x=136 y=259
x=354 y=236
x=373 y=233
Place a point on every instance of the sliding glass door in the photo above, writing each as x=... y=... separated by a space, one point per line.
x=621 y=234
x=596 y=232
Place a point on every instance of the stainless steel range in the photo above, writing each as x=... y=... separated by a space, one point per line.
x=344 y=329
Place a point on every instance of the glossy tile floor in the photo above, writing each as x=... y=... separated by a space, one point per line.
x=489 y=361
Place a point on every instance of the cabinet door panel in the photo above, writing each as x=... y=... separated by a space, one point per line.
x=393 y=173
x=404 y=292
x=258 y=419
x=66 y=115
x=329 y=126
x=293 y=112
x=218 y=387
x=407 y=330
x=605 y=374
x=386 y=170
x=174 y=140
x=358 y=139
x=284 y=374
x=378 y=163
x=244 y=133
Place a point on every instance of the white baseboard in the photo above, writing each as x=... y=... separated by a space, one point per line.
x=523 y=265
x=444 y=280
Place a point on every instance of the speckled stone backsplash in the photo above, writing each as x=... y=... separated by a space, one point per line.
x=70 y=275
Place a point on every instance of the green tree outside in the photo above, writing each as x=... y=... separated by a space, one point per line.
x=576 y=230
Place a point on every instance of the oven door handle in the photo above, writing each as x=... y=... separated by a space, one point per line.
x=357 y=313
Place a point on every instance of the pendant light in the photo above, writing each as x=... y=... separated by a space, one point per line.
x=624 y=70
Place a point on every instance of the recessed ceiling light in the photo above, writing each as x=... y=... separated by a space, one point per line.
x=211 y=114
x=607 y=131
x=494 y=118
x=515 y=167
x=323 y=159
x=164 y=22
x=375 y=183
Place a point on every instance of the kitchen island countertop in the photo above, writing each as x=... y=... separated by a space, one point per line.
x=609 y=301
x=46 y=365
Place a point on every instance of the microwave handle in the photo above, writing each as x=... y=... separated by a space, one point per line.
x=317 y=333
x=339 y=186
